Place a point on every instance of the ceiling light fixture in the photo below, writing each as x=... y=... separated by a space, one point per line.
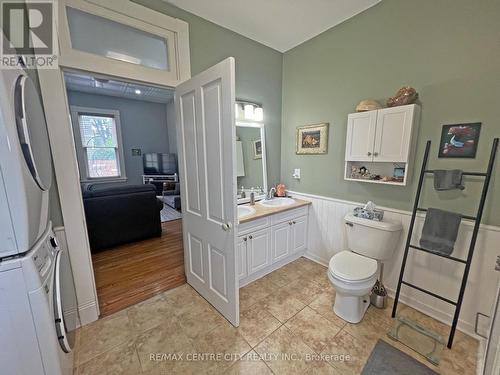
x=138 y=92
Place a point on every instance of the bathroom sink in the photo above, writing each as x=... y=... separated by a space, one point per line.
x=277 y=202
x=244 y=211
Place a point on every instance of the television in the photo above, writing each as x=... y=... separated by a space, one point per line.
x=156 y=163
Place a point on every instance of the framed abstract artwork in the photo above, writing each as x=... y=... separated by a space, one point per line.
x=312 y=139
x=459 y=140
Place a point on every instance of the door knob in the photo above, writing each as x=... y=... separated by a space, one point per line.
x=227 y=226
x=369 y=153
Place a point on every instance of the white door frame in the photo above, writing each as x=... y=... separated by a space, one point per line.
x=174 y=31
x=60 y=130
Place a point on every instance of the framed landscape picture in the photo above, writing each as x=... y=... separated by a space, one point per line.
x=459 y=140
x=312 y=139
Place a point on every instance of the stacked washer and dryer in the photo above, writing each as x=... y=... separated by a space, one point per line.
x=34 y=338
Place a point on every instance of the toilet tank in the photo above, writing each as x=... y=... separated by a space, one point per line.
x=371 y=238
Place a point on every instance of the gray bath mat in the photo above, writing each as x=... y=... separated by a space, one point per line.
x=387 y=360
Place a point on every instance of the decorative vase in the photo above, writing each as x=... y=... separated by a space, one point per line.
x=280 y=190
x=405 y=95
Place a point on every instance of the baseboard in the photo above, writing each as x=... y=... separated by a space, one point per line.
x=441 y=316
x=316 y=259
x=88 y=313
x=273 y=267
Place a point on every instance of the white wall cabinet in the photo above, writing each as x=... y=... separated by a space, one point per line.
x=360 y=136
x=267 y=244
x=393 y=134
x=381 y=139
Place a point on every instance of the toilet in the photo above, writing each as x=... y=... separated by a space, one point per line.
x=353 y=272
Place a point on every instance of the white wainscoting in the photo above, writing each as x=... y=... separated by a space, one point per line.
x=442 y=276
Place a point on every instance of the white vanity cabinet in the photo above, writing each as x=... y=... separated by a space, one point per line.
x=381 y=140
x=241 y=256
x=258 y=250
x=289 y=238
x=281 y=241
x=299 y=234
x=268 y=243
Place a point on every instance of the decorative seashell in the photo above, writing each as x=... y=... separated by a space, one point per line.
x=367 y=105
x=405 y=95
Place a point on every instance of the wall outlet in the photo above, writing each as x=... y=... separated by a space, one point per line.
x=296 y=173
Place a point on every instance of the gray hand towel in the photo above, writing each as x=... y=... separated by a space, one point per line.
x=440 y=230
x=448 y=179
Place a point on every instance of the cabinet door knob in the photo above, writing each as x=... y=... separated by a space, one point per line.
x=289 y=223
x=375 y=154
x=293 y=222
x=369 y=153
x=244 y=238
x=250 y=237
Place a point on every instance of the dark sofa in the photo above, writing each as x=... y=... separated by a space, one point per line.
x=119 y=214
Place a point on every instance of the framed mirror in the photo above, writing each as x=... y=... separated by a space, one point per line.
x=251 y=170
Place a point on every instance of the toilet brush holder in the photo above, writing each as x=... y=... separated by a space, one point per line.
x=378 y=298
x=380 y=302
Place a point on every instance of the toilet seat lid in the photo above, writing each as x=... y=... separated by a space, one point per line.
x=351 y=266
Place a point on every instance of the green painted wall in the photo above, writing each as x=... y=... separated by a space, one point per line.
x=449 y=50
x=258 y=70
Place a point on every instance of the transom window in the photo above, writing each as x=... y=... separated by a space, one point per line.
x=98 y=142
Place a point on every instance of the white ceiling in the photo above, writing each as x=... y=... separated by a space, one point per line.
x=90 y=85
x=279 y=24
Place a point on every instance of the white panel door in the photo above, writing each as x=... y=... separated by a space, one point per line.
x=360 y=136
x=241 y=256
x=259 y=250
x=299 y=234
x=281 y=240
x=393 y=134
x=207 y=163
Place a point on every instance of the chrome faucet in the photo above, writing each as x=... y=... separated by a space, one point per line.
x=272 y=191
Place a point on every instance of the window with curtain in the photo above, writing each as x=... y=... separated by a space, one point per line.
x=99 y=146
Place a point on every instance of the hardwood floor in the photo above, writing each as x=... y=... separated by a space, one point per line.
x=131 y=273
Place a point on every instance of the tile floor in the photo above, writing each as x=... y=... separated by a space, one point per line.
x=288 y=311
